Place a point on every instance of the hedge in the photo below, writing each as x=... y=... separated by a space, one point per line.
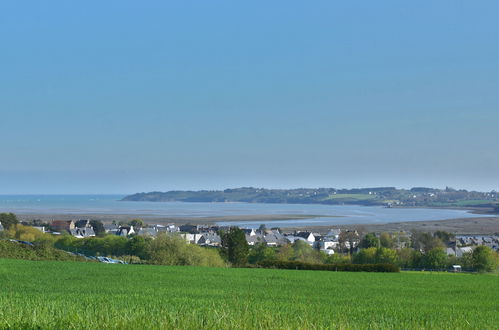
x=385 y=268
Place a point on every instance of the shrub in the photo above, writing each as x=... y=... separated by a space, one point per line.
x=15 y=250
x=280 y=264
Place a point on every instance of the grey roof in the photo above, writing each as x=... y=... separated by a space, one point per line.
x=82 y=223
x=84 y=232
x=147 y=232
x=209 y=238
x=304 y=234
x=111 y=227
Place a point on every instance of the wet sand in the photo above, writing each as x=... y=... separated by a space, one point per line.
x=485 y=226
x=109 y=218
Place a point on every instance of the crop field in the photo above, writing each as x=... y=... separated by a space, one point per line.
x=73 y=295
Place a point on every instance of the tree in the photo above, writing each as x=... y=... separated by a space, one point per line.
x=136 y=223
x=444 y=236
x=365 y=256
x=137 y=246
x=435 y=259
x=369 y=241
x=234 y=246
x=349 y=239
x=173 y=250
x=425 y=241
x=386 y=256
x=261 y=252
x=303 y=252
x=8 y=219
x=386 y=240
x=483 y=259
x=98 y=227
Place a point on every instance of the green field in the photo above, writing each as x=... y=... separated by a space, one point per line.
x=67 y=295
x=360 y=197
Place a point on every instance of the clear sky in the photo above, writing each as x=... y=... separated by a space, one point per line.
x=126 y=96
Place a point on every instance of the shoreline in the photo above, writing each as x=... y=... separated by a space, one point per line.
x=152 y=219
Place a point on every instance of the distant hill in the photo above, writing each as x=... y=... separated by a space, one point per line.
x=388 y=196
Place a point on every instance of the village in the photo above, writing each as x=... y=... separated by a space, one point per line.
x=335 y=240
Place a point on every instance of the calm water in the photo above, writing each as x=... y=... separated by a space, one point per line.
x=110 y=204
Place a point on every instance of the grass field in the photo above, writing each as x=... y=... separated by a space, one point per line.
x=39 y=294
x=360 y=197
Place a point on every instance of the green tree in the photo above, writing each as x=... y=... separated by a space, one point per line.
x=435 y=259
x=386 y=240
x=386 y=256
x=369 y=241
x=302 y=251
x=365 y=256
x=425 y=241
x=260 y=252
x=8 y=219
x=234 y=246
x=483 y=259
x=173 y=250
x=137 y=246
x=285 y=252
x=444 y=236
x=136 y=223
x=98 y=227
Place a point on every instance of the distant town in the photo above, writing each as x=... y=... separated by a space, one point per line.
x=386 y=196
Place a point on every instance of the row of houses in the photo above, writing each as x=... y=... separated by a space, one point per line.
x=491 y=241
x=208 y=235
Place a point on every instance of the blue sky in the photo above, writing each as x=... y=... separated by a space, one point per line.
x=126 y=96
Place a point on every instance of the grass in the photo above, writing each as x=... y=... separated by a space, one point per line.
x=71 y=295
x=361 y=197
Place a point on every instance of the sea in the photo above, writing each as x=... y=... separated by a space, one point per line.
x=79 y=205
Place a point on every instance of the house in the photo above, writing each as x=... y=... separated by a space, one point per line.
x=210 y=239
x=83 y=223
x=308 y=236
x=169 y=228
x=327 y=244
x=254 y=239
x=333 y=234
x=82 y=232
x=191 y=238
x=40 y=228
x=125 y=231
x=459 y=251
x=249 y=231
x=192 y=229
x=62 y=225
x=149 y=231
x=111 y=228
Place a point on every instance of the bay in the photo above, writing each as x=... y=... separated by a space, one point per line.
x=328 y=214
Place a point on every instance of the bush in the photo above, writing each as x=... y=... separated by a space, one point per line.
x=280 y=264
x=15 y=250
x=173 y=250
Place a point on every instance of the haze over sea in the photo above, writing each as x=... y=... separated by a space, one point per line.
x=78 y=205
